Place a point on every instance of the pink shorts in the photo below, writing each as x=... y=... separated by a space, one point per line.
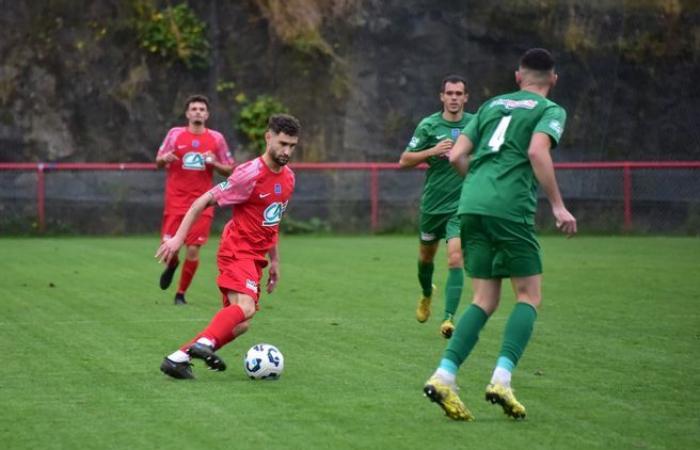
x=198 y=234
x=239 y=275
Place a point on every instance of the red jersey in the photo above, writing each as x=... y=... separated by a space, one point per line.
x=189 y=176
x=259 y=197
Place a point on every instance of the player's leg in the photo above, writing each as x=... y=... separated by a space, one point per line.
x=455 y=275
x=230 y=322
x=238 y=280
x=168 y=229
x=426 y=256
x=189 y=268
x=522 y=260
x=431 y=231
x=441 y=387
x=196 y=237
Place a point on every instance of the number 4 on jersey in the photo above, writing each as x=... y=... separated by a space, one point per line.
x=499 y=135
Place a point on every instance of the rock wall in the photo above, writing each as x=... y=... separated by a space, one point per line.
x=76 y=86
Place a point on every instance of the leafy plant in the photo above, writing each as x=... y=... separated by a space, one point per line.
x=175 y=33
x=252 y=121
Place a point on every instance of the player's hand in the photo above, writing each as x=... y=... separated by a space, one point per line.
x=564 y=220
x=273 y=276
x=170 y=157
x=443 y=148
x=168 y=249
x=209 y=158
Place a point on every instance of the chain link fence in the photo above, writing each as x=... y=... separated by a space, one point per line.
x=340 y=197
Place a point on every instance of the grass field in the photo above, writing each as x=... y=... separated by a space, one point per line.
x=613 y=363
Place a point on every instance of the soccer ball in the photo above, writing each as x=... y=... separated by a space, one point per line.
x=263 y=362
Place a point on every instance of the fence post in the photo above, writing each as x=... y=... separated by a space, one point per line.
x=627 y=192
x=41 y=197
x=374 y=197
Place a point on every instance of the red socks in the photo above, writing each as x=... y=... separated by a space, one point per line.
x=220 y=329
x=188 y=270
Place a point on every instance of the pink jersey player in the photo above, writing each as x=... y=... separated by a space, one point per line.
x=190 y=155
x=259 y=192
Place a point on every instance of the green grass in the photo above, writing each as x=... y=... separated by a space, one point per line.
x=613 y=363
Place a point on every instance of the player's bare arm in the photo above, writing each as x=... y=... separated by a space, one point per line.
x=169 y=248
x=273 y=273
x=412 y=159
x=543 y=167
x=459 y=156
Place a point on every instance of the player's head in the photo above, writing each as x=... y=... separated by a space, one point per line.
x=454 y=93
x=536 y=68
x=281 y=137
x=197 y=109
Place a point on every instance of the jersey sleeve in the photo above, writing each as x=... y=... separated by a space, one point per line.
x=168 y=144
x=552 y=123
x=238 y=187
x=223 y=154
x=419 y=140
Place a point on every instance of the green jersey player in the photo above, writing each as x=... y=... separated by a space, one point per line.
x=431 y=143
x=508 y=144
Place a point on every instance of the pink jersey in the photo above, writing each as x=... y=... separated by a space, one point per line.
x=259 y=198
x=189 y=176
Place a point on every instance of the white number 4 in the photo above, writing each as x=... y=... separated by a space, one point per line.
x=499 y=135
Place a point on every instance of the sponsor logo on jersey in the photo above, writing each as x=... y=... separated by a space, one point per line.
x=278 y=189
x=224 y=185
x=514 y=104
x=442 y=136
x=251 y=285
x=414 y=142
x=193 y=161
x=555 y=125
x=273 y=214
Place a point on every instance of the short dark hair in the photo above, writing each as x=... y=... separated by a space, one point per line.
x=454 y=79
x=284 y=123
x=538 y=59
x=197 y=98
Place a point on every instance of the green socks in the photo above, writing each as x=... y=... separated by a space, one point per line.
x=466 y=334
x=453 y=291
x=518 y=331
x=425 y=277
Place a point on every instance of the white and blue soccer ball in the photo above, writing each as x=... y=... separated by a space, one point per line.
x=263 y=362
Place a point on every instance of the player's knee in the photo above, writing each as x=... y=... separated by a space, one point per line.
x=192 y=252
x=248 y=308
x=454 y=260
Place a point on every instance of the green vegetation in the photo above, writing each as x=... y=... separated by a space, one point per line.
x=252 y=121
x=613 y=363
x=174 y=33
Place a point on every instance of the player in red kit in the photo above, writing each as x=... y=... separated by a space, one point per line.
x=190 y=155
x=258 y=192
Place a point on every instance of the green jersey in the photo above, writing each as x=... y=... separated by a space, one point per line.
x=442 y=183
x=500 y=181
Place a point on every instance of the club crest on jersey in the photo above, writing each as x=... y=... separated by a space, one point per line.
x=455 y=133
x=273 y=214
x=195 y=143
x=193 y=161
x=278 y=189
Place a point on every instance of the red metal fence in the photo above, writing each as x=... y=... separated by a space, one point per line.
x=626 y=168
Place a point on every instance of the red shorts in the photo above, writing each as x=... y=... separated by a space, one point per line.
x=240 y=275
x=198 y=234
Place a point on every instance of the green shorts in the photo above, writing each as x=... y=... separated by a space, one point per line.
x=434 y=227
x=499 y=248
